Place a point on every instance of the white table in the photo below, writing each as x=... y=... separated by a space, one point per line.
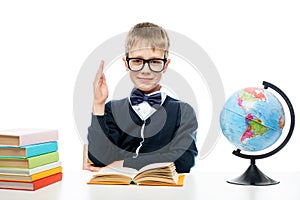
x=206 y=185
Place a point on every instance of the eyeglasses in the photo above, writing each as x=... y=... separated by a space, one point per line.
x=155 y=64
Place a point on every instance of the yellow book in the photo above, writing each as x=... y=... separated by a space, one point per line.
x=30 y=178
x=157 y=174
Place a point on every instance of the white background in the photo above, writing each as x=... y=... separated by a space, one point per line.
x=43 y=45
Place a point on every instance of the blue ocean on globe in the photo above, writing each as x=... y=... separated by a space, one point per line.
x=252 y=119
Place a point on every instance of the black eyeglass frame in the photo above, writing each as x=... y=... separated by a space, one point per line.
x=146 y=61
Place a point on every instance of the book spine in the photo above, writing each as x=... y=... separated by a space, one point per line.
x=46 y=173
x=31 y=178
x=47 y=181
x=38 y=137
x=31 y=186
x=41 y=160
x=28 y=172
x=43 y=148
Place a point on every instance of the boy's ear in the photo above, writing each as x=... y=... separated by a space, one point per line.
x=166 y=65
x=126 y=65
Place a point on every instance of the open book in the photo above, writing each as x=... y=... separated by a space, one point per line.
x=157 y=174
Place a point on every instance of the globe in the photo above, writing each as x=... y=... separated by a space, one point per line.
x=252 y=119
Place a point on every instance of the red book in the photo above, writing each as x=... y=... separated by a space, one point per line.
x=35 y=185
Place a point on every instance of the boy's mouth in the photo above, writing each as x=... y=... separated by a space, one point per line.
x=144 y=79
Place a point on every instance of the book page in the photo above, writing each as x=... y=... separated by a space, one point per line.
x=155 y=165
x=158 y=172
x=130 y=172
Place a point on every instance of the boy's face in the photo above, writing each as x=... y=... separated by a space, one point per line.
x=145 y=79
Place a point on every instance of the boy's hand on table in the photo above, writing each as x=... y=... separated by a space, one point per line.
x=91 y=167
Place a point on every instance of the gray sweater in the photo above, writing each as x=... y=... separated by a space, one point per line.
x=168 y=135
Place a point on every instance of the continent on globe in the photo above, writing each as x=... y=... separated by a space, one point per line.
x=254 y=124
x=250 y=95
x=254 y=128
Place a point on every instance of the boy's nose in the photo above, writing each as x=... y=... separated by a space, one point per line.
x=146 y=68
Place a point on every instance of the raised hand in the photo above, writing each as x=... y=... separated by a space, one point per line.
x=100 y=91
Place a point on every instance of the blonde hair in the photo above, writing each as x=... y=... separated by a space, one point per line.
x=148 y=34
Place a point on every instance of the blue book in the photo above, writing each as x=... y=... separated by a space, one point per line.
x=28 y=150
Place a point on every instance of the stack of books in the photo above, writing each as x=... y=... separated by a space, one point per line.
x=29 y=159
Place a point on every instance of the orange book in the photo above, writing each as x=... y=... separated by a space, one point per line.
x=157 y=174
x=32 y=186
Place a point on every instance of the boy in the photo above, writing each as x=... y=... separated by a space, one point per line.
x=149 y=126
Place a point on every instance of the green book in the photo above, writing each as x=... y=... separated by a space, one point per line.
x=31 y=162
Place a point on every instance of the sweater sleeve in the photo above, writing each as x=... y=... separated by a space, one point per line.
x=103 y=136
x=181 y=150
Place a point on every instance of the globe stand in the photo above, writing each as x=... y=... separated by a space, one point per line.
x=253 y=176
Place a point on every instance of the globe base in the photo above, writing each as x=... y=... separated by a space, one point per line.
x=253 y=176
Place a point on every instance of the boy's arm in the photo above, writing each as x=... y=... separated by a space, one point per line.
x=102 y=148
x=87 y=164
x=98 y=132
